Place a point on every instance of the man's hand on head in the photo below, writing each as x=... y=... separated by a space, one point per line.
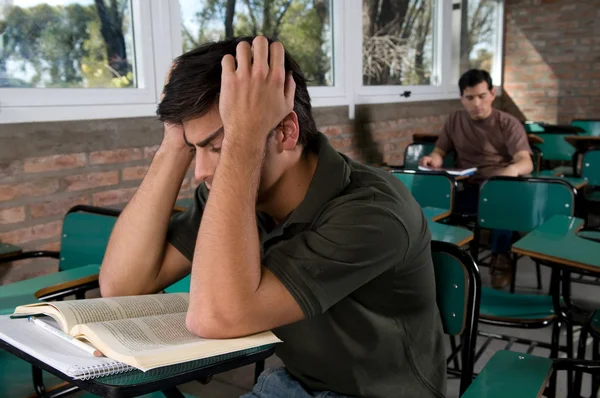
x=256 y=95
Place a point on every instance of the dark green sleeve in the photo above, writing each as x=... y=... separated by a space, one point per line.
x=183 y=227
x=350 y=246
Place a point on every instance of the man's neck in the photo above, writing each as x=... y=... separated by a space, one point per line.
x=486 y=116
x=287 y=194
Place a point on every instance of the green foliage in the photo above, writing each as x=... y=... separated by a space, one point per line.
x=61 y=44
x=301 y=25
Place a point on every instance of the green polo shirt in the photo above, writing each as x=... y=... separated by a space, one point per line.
x=356 y=257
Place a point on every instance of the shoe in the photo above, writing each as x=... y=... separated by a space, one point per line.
x=501 y=270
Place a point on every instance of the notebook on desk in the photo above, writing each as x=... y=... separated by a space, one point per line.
x=55 y=351
x=452 y=172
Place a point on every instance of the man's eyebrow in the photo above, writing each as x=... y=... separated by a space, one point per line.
x=211 y=137
x=186 y=141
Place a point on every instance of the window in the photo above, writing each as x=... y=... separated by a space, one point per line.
x=304 y=26
x=398 y=38
x=90 y=59
x=66 y=44
x=476 y=37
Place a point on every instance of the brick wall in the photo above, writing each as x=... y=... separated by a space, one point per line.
x=46 y=168
x=552 y=59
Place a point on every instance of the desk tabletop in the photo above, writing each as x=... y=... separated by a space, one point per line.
x=535 y=139
x=136 y=382
x=28 y=290
x=583 y=142
x=6 y=249
x=556 y=240
x=435 y=213
x=450 y=233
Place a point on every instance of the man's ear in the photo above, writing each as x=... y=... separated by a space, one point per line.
x=288 y=132
x=493 y=91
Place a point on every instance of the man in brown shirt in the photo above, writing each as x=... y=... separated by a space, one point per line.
x=493 y=141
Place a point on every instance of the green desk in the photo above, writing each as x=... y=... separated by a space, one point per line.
x=449 y=233
x=31 y=290
x=435 y=213
x=6 y=249
x=557 y=241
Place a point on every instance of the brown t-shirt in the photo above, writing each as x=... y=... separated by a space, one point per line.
x=487 y=144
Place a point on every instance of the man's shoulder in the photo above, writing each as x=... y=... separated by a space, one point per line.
x=457 y=115
x=506 y=119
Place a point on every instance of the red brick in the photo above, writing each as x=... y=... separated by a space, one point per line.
x=91 y=180
x=150 y=151
x=590 y=75
x=9 y=169
x=114 y=197
x=332 y=131
x=563 y=58
x=12 y=215
x=57 y=207
x=116 y=156
x=31 y=188
x=52 y=246
x=54 y=162
x=134 y=173
x=41 y=231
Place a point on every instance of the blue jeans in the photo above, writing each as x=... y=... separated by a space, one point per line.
x=277 y=382
x=501 y=241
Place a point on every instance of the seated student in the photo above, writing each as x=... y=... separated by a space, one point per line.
x=493 y=141
x=334 y=256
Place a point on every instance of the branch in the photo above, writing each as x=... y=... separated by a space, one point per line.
x=280 y=18
x=252 y=17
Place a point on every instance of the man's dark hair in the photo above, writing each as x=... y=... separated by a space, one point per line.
x=473 y=77
x=195 y=82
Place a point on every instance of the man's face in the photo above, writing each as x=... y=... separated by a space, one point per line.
x=477 y=100
x=206 y=135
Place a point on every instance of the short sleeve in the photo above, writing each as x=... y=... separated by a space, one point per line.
x=351 y=246
x=516 y=137
x=183 y=227
x=444 y=142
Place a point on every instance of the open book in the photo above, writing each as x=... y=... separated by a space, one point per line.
x=452 y=172
x=145 y=332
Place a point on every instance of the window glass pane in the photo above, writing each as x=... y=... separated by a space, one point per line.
x=474 y=36
x=398 y=42
x=66 y=44
x=303 y=26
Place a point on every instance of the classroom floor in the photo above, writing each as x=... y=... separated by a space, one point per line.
x=235 y=383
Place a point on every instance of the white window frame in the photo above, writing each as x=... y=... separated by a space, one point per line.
x=158 y=40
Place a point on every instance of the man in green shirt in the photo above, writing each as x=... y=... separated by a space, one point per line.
x=333 y=256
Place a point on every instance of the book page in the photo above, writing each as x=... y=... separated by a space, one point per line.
x=159 y=340
x=77 y=312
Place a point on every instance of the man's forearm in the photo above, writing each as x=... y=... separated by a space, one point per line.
x=522 y=167
x=226 y=270
x=134 y=253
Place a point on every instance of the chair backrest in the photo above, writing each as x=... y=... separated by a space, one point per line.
x=591 y=167
x=85 y=234
x=429 y=189
x=521 y=204
x=458 y=287
x=555 y=147
x=417 y=150
x=591 y=126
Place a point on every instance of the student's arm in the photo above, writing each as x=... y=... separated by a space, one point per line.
x=231 y=293
x=518 y=147
x=138 y=259
x=521 y=165
x=443 y=145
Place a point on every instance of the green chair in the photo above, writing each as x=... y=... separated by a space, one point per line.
x=519 y=375
x=429 y=189
x=555 y=147
x=458 y=288
x=417 y=150
x=591 y=126
x=591 y=167
x=520 y=205
x=85 y=234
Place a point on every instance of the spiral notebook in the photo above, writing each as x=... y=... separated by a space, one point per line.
x=55 y=351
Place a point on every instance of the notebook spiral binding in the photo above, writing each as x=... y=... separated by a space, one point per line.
x=105 y=369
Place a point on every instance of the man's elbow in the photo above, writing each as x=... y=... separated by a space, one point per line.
x=527 y=167
x=212 y=326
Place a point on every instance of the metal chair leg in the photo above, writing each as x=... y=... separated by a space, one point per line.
x=259 y=367
x=513 y=265
x=569 y=325
x=538 y=271
x=554 y=354
x=580 y=355
x=596 y=357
